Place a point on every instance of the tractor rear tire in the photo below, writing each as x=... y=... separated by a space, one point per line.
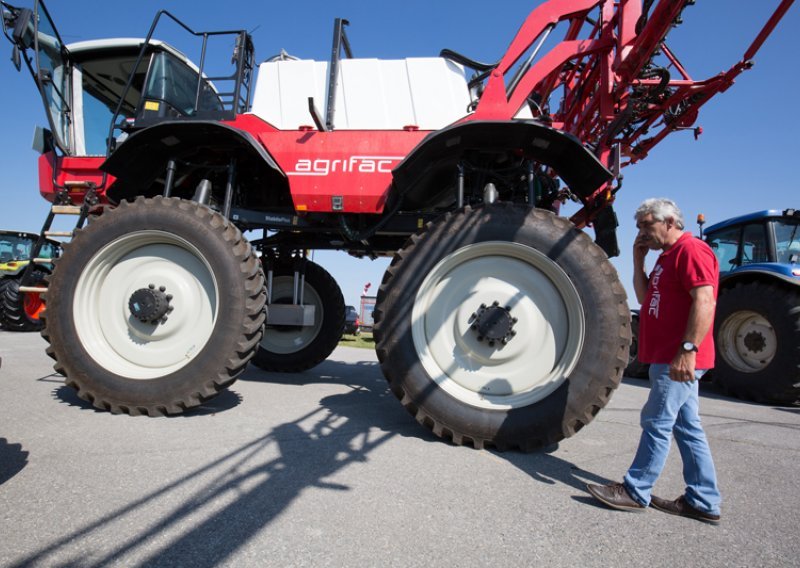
x=22 y=311
x=757 y=339
x=154 y=307
x=287 y=349
x=502 y=326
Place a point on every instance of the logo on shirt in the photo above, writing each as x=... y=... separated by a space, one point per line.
x=655 y=298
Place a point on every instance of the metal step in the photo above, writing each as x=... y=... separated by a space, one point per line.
x=78 y=184
x=39 y=289
x=66 y=209
x=58 y=233
x=43 y=261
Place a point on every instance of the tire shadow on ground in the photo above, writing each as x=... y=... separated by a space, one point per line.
x=225 y=400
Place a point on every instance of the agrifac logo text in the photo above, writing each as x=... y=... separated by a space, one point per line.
x=353 y=164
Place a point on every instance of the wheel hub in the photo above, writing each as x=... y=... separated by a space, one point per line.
x=493 y=323
x=755 y=342
x=151 y=304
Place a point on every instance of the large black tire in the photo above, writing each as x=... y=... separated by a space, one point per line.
x=289 y=349
x=560 y=307
x=22 y=311
x=3 y=283
x=212 y=282
x=757 y=339
x=636 y=368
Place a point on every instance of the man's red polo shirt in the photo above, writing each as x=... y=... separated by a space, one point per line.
x=687 y=264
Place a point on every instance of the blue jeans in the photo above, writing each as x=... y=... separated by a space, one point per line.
x=672 y=408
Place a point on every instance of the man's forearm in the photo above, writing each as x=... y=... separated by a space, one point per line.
x=701 y=315
x=639 y=283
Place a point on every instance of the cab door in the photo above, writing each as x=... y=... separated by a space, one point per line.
x=36 y=38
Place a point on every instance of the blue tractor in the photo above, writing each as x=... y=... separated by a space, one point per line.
x=757 y=325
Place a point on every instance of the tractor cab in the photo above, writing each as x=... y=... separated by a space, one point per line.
x=16 y=248
x=97 y=92
x=763 y=241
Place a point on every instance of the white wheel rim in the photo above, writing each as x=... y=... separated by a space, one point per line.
x=121 y=343
x=748 y=341
x=284 y=340
x=549 y=330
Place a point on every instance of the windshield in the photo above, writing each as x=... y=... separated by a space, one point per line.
x=787 y=240
x=102 y=74
x=13 y=247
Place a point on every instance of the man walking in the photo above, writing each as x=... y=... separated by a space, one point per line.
x=675 y=337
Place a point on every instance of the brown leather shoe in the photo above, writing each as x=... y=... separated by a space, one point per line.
x=681 y=508
x=614 y=496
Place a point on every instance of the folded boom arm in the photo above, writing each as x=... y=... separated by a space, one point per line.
x=611 y=81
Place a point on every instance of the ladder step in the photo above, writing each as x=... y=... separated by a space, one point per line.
x=38 y=289
x=76 y=184
x=58 y=233
x=43 y=261
x=66 y=209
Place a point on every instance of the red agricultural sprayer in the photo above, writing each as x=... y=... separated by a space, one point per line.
x=499 y=322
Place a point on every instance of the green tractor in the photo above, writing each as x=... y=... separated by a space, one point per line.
x=20 y=310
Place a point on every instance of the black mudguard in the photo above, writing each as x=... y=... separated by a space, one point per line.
x=571 y=160
x=144 y=155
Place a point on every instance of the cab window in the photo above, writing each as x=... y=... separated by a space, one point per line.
x=48 y=251
x=787 y=240
x=173 y=82
x=725 y=245
x=754 y=244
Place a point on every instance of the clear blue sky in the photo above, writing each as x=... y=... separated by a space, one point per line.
x=745 y=160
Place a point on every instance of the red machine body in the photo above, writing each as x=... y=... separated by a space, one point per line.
x=601 y=84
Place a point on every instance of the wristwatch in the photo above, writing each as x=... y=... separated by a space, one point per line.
x=689 y=346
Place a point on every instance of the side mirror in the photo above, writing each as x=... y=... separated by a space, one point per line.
x=24 y=31
x=43 y=140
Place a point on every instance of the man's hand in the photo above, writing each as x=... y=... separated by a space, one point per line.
x=682 y=367
x=640 y=249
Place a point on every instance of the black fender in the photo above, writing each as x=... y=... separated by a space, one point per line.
x=143 y=156
x=572 y=161
x=729 y=279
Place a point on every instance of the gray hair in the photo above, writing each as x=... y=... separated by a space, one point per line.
x=661 y=209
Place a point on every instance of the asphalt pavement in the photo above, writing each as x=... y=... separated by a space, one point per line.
x=325 y=468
